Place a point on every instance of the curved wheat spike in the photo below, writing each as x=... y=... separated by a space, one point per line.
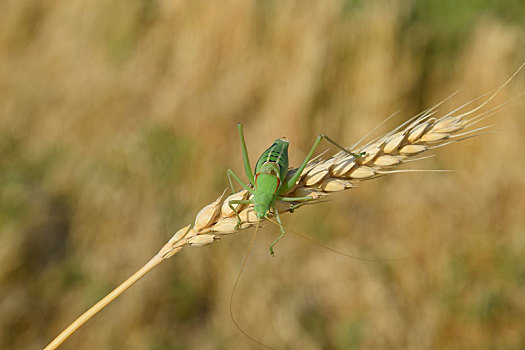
x=335 y=174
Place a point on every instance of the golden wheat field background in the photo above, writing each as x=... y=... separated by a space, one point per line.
x=118 y=123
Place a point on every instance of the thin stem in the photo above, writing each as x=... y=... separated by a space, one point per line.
x=66 y=333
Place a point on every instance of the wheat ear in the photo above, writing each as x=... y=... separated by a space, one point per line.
x=320 y=178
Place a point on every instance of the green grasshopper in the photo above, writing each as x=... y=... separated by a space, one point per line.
x=269 y=183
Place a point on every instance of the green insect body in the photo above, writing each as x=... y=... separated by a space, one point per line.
x=269 y=183
x=270 y=172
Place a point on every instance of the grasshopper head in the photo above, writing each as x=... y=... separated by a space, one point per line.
x=261 y=209
x=262 y=205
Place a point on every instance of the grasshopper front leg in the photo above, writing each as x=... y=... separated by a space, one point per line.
x=235 y=201
x=283 y=232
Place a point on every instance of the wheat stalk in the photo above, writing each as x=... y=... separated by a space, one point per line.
x=320 y=178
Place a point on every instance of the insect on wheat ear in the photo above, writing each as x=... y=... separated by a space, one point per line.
x=270 y=182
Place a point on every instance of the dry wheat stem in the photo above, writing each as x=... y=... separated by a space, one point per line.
x=320 y=178
x=103 y=302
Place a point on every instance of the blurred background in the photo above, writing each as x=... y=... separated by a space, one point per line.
x=117 y=124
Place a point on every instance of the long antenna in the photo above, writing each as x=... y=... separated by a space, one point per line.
x=235 y=287
x=332 y=249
